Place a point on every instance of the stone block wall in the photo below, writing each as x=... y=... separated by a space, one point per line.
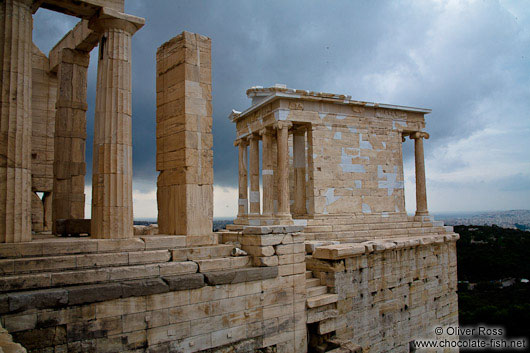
x=193 y=305
x=391 y=292
x=184 y=135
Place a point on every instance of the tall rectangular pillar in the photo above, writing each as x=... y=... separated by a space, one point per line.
x=184 y=136
x=299 y=164
x=69 y=165
x=15 y=120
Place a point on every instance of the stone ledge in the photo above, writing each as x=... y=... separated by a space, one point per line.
x=240 y=275
x=346 y=250
x=256 y=230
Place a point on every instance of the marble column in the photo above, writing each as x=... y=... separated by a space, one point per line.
x=243 y=182
x=254 y=176
x=15 y=120
x=421 y=191
x=267 y=173
x=282 y=136
x=299 y=164
x=112 y=209
x=69 y=165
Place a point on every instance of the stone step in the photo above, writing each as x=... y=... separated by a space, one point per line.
x=312 y=282
x=55 y=246
x=99 y=275
x=308 y=274
x=202 y=252
x=316 y=291
x=321 y=300
x=321 y=313
x=82 y=261
x=224 y=263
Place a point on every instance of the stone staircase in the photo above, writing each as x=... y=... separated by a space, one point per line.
x=322 y=307
x=60 y=262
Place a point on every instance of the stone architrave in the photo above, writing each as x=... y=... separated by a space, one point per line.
x=184 y=136
x=70 y=136
x=112 y=212
x=15 y=121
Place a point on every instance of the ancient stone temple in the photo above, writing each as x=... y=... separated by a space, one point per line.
x=325 y=259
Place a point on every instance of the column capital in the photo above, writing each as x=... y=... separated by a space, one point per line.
x=267 y=130
x=241 y=141
x=109 y=18
x=282 y=124
x=419 y=135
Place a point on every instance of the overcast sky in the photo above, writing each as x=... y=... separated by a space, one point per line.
x=467 y=61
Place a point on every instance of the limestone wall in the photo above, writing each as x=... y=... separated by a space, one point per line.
x=180 y=300
x=390 y=291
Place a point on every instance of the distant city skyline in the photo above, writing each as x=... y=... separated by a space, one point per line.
x=467 y=61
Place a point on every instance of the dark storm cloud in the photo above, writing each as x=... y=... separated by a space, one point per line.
x=468 y=61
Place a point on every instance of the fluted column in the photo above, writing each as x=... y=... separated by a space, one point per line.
x=254 y=175
x=15 y=123
x=267 y=173
x=69 y=165
x=299 y=164
x=112 y=209
x=243 y=180
x=282 y=136
x=421 y=190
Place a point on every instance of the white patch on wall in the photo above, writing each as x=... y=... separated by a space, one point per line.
x=300 y=222
x=366 y=208
x=337 y=136
x=329 y=126
x=391 y=182
x=291 y=151
x=352 y=129
x=341 y=117
x=254 y=196
x=254 y=222
x=322 y=115
x=397 y=208
x=403 y=123
x=384 y=214
x=267 y=172
x=315 y=156
x=281 y=114
x=384 y=144
x=330 y=196
x=242 y=202
x=366 y=145
x=347 y=163
x=358 y=184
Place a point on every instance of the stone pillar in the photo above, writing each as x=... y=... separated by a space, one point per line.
x=184 y=138
x=421 y=191
x=69 y=165
x=15 y=121
x=282 y=136
x=48 y=213
x=254 y=176
x=243 y=181
x=112 y=212
x=267 y=173
x=299 y=164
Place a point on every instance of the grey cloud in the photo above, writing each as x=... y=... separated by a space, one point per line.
x=454 y=60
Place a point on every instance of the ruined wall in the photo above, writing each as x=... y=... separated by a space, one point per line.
x=184 y=135
x=390 y=291
x=157 y=296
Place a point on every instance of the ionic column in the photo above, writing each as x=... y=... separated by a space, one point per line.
x=421 y=191
x=267 y=172
x=299 y=164
x=243 y=179
x=15 y=121
x=282 y=136
x=254 y=175
x=112 y=209
x=69 y=165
